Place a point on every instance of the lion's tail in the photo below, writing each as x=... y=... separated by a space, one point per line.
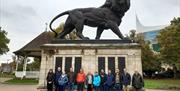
x=50 y=25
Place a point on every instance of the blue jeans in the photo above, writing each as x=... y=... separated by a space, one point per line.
x=70 y=86
x=102 y=87
x=118 y=87
x=61 y=87
x=80 y=86
x=108 y=88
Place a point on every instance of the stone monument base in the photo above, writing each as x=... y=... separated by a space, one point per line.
x=91 y=55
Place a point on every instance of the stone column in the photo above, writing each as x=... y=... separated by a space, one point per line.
x=73 y=63
x=24 y=66
x=63 y=64
x=106 y=64
x=43 y=72
x=116 y=63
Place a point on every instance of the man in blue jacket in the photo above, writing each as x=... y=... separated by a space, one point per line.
x=62 y=81
x=57 y=76
x=109 y=82
x=126 y=80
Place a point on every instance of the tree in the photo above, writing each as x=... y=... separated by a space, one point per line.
x=20 y=63
x=71 y=36
x=3 y=42
x=169 y=40
x=149 y=59
x=35 y=65
x=13 y=63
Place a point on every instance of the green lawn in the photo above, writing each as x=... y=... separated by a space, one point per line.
x=172 y=84
x=22 y=81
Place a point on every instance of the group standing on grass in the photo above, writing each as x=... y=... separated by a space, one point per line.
x=119 y=81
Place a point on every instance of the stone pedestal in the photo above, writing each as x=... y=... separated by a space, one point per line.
x=123 y=53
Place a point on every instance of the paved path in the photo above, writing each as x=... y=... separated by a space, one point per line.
x=9 y=87
x=4 y=79
x=145 y=90
x=156 y=90
x=12 y=87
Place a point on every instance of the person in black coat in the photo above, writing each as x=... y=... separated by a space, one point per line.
x=50 y=80
x=137 y=81
x=103 y=76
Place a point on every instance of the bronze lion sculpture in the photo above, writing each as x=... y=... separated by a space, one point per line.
x=108 y=16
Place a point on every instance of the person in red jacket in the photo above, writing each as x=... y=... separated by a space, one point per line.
x=81 y=78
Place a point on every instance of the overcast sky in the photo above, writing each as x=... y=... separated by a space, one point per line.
x=25 y=19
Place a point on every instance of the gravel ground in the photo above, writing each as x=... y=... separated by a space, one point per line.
x=12 y=87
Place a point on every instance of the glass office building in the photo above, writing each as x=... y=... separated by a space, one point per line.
x=150 y=33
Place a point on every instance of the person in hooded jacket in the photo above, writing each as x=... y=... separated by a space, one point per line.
x=96 y=81
x=50 y=80
x=62 y=81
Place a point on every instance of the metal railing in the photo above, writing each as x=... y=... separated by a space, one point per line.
x=27 y=74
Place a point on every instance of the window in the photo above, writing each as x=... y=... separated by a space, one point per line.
x=101 y=64
x=68 y=64
x=77 y=65
x=111 y=64
x=58 y=63
x=121 y=63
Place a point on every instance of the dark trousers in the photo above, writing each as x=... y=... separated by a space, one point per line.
x=137 y=89
x=118 y=87
x=108 y=88
x=102 y=87
x=49 y=86
x=70 y=86
x=80 y=86
x=89 y=87
x=56 y=87
x=61 y=87
x=96 y=88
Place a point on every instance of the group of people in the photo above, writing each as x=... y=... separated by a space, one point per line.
x=119 y=81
